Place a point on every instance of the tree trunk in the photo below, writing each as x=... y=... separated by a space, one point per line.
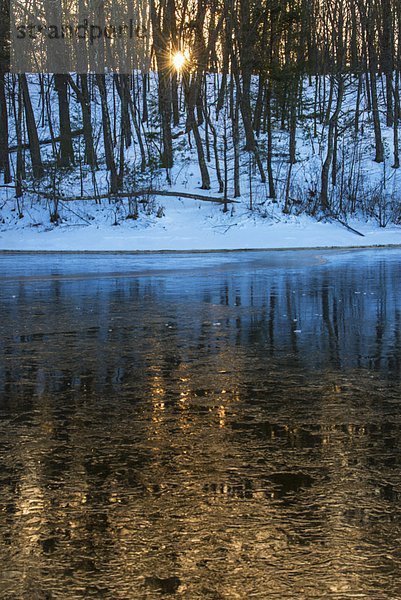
x=160 y=47
x=324 y=196
x=379 y=157
x=34 y=147
x=4 y=157
x=272 y=191
x=235 y=134
x=83 y=99
x=387 y=53
x=66 y=157
x=107 y=139
x=396 y=92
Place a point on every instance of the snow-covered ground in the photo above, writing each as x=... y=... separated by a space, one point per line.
x=365 y=188
x=184 y=225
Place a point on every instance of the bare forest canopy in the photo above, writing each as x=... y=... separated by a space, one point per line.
x=231 y=78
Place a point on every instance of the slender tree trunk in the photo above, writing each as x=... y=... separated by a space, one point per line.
x=324 y=195
x=272 y=191
x=235 y=135
x=84 y=101
x=34 y=146
x=216 y=158
x=66 y=157
x=107 y=135
x=257 y=118
x=4 y=157
x=160 y=46
x=135 y=119
x=145 y=113
x=20 y=174
x=201 y=157
x=396 y=92
x=358 y=106
x=123 y=88
x=225 y=158
x=379 y=156
x=293 y=122
x=387 y=53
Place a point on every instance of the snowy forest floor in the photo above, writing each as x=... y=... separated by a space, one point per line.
x=181 y=225
x=365 y=195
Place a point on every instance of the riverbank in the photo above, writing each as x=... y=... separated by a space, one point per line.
x=182 y=225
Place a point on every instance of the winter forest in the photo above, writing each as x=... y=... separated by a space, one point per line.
x=287 y=104
x=200 y=299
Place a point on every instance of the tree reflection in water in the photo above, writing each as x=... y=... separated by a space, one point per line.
x=226 y=432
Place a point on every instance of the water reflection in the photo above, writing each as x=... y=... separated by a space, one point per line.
x=228 y=429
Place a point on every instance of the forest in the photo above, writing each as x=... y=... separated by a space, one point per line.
x=292 y=103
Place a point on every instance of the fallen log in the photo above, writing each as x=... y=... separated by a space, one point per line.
x=46 y=141
x=132 y=194
x=344 y=224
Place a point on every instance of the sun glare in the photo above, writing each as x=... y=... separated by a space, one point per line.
x=179 y=60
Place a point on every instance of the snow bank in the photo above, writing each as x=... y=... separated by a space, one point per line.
x=185 y=225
